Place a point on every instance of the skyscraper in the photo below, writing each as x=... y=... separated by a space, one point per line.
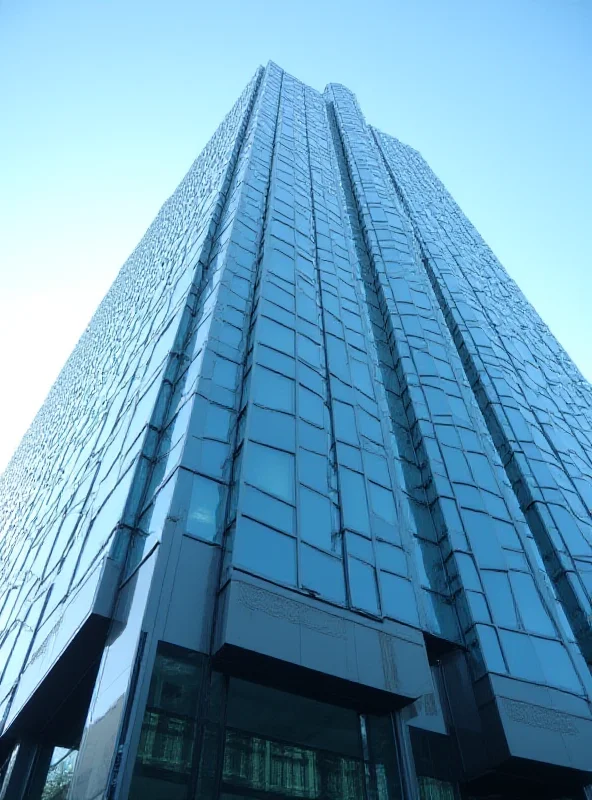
x=307 y=513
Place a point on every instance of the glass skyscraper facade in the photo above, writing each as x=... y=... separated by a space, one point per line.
x=308 y=511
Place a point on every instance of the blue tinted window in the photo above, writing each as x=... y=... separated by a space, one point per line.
x=262 y=550
x=533 y=613
x=225 y=373
x=276 y=361
x=484 y=543
x=376 y=468
x=521 y=656
x=310 y=406
x=353 y=501
x=273 y=428
x=275 y=335
x=360 y=547
x=391 y=558
x=270 y=470
x=456 y=464
x=429 y=564
x=490 y=648
x=557 y=665
x=361 y=377
x=382 y=502
x=468 y=572
x=217 y=422
x=370 y=426
x=478 y=606
x=267 y=509
x=322 y=573
x=272 y=390
x=312 y=469
x=398 y=598
x=349 y=456
x=501 y=600
x=345 y=422
x=309 y=351
x=206 y=508
x=312 y=438
x=362 y=585
x=316 y=524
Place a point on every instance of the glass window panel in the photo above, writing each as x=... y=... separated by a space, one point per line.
x=571 y=533
x=441 y=616
x=429 y=564
x=557 y=665
x=376 y=468
x=166 y=750
x=322 y=573
x=267 y=509
x=275 y=335
x=309 y=351
x=316 y=524
x=59 y=775
x=533 y=613
x=207 y=505
x=482 y=471
x=265 y=551
x=361 y=377
x=337 y=356
x=217 y=422
x=206 y=455
x=225 y=372
x=271 y=470
x=292 y=718
x=507 y=534
x=349 y=456
x=456 y=465
x=484 y=542
x=353 y=500
x=276 y=361
x=391 y=558
x=516 y=560
x=360 y=547
x=490 y=648
x=501 y=600
x=521 y=656
x=469 y=497
x=152 y=521
x=345 y=422
x=272 y=390
x=310 y=406
x=478 y=606
x=362 y=586
x=312 y=469
x=398 y=598
x=273 y=428
x=468 y=572
x=370 y=426
x=382 y=502
x=312 y=438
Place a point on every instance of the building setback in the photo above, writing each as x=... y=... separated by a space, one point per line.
x=308 y=511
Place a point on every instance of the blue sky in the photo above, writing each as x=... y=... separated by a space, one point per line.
x=105 y=103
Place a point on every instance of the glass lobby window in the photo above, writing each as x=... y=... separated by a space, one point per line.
x=281 y=745
x=165 y=757
x=59 y=775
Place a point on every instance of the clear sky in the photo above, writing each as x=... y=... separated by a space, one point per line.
x=105 y=103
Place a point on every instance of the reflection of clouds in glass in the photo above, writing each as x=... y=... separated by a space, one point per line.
x=206 y=500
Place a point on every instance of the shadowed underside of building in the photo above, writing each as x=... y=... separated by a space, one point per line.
x=308 y=511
